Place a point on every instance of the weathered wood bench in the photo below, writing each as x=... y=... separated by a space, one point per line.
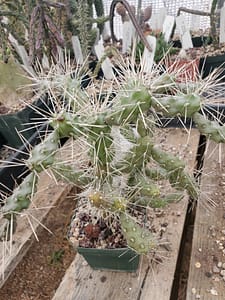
x=206 y=273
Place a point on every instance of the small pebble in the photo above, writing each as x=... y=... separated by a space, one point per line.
x=216 y=269
x=213 y=292
x=198 y=265
x=209 y=274
x=216 y=279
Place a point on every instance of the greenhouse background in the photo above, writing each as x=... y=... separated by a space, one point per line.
x=172 y=7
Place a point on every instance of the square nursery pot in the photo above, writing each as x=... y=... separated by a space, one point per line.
x=185 y=69
x=13 y=171
x=210 y=63
x=23 y=121
x=198 y=41
x=119 y=259
x=212 y=112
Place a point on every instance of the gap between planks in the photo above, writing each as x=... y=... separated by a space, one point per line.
x=205 y=281
x=152 y=281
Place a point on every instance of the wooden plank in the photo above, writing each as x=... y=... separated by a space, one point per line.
x=152 y=281
x=48 y=194
x=159 y=281
x=83 y=283
x=205 y=281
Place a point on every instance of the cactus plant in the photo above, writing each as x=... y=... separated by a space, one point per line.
x=114 y=181
x=80 y=20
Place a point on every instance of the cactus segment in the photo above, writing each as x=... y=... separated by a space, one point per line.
x=128 y=133
x=138 y=156
x=141 y=127
x=164 y=84
x=156 y=174
x=20 y=199
x=182 y=105
x=167 y=160
x=66 y=124
x=68 y=174
x=159 y=202
x=128 y=107
x=144 y=126
x=183 y=181
x=119 y=204
x=43 y=154
x=147 y=188
x=99 y=135
x=138 y=238
x=212 y=129
x=98 y=200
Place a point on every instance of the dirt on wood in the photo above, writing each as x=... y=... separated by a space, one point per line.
x=41 y=270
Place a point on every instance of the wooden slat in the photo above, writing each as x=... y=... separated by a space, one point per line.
x=47 y=197
x=153 y=282
x=209 y=235
x=48 y=194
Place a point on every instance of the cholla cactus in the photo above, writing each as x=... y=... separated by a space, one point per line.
x=115 y=179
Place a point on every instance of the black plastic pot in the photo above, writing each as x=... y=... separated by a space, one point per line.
x=211 y=111
x=13 y=171
x=24 y=122
x=197 y=41
x=123 y=259
x=210 y=63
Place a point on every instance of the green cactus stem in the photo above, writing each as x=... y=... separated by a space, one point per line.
x=166 y=160
x=119 y=204
x=212 y=129
x=69 y=174
x=177 y=176
x=179 y=105
x=98 y=200
x=159 y=202
x=148 y=188
x=138 y=238
x=99 y=135
x=137 y=157
x=145 y=125
x=156 y=173
x=67 y=124
x=114 y=204
x=43 y=155
x=128 y=106
x=183 y=181
x=164 y=84
x=20 y=199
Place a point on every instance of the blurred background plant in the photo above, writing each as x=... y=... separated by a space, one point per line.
x=41 y=26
